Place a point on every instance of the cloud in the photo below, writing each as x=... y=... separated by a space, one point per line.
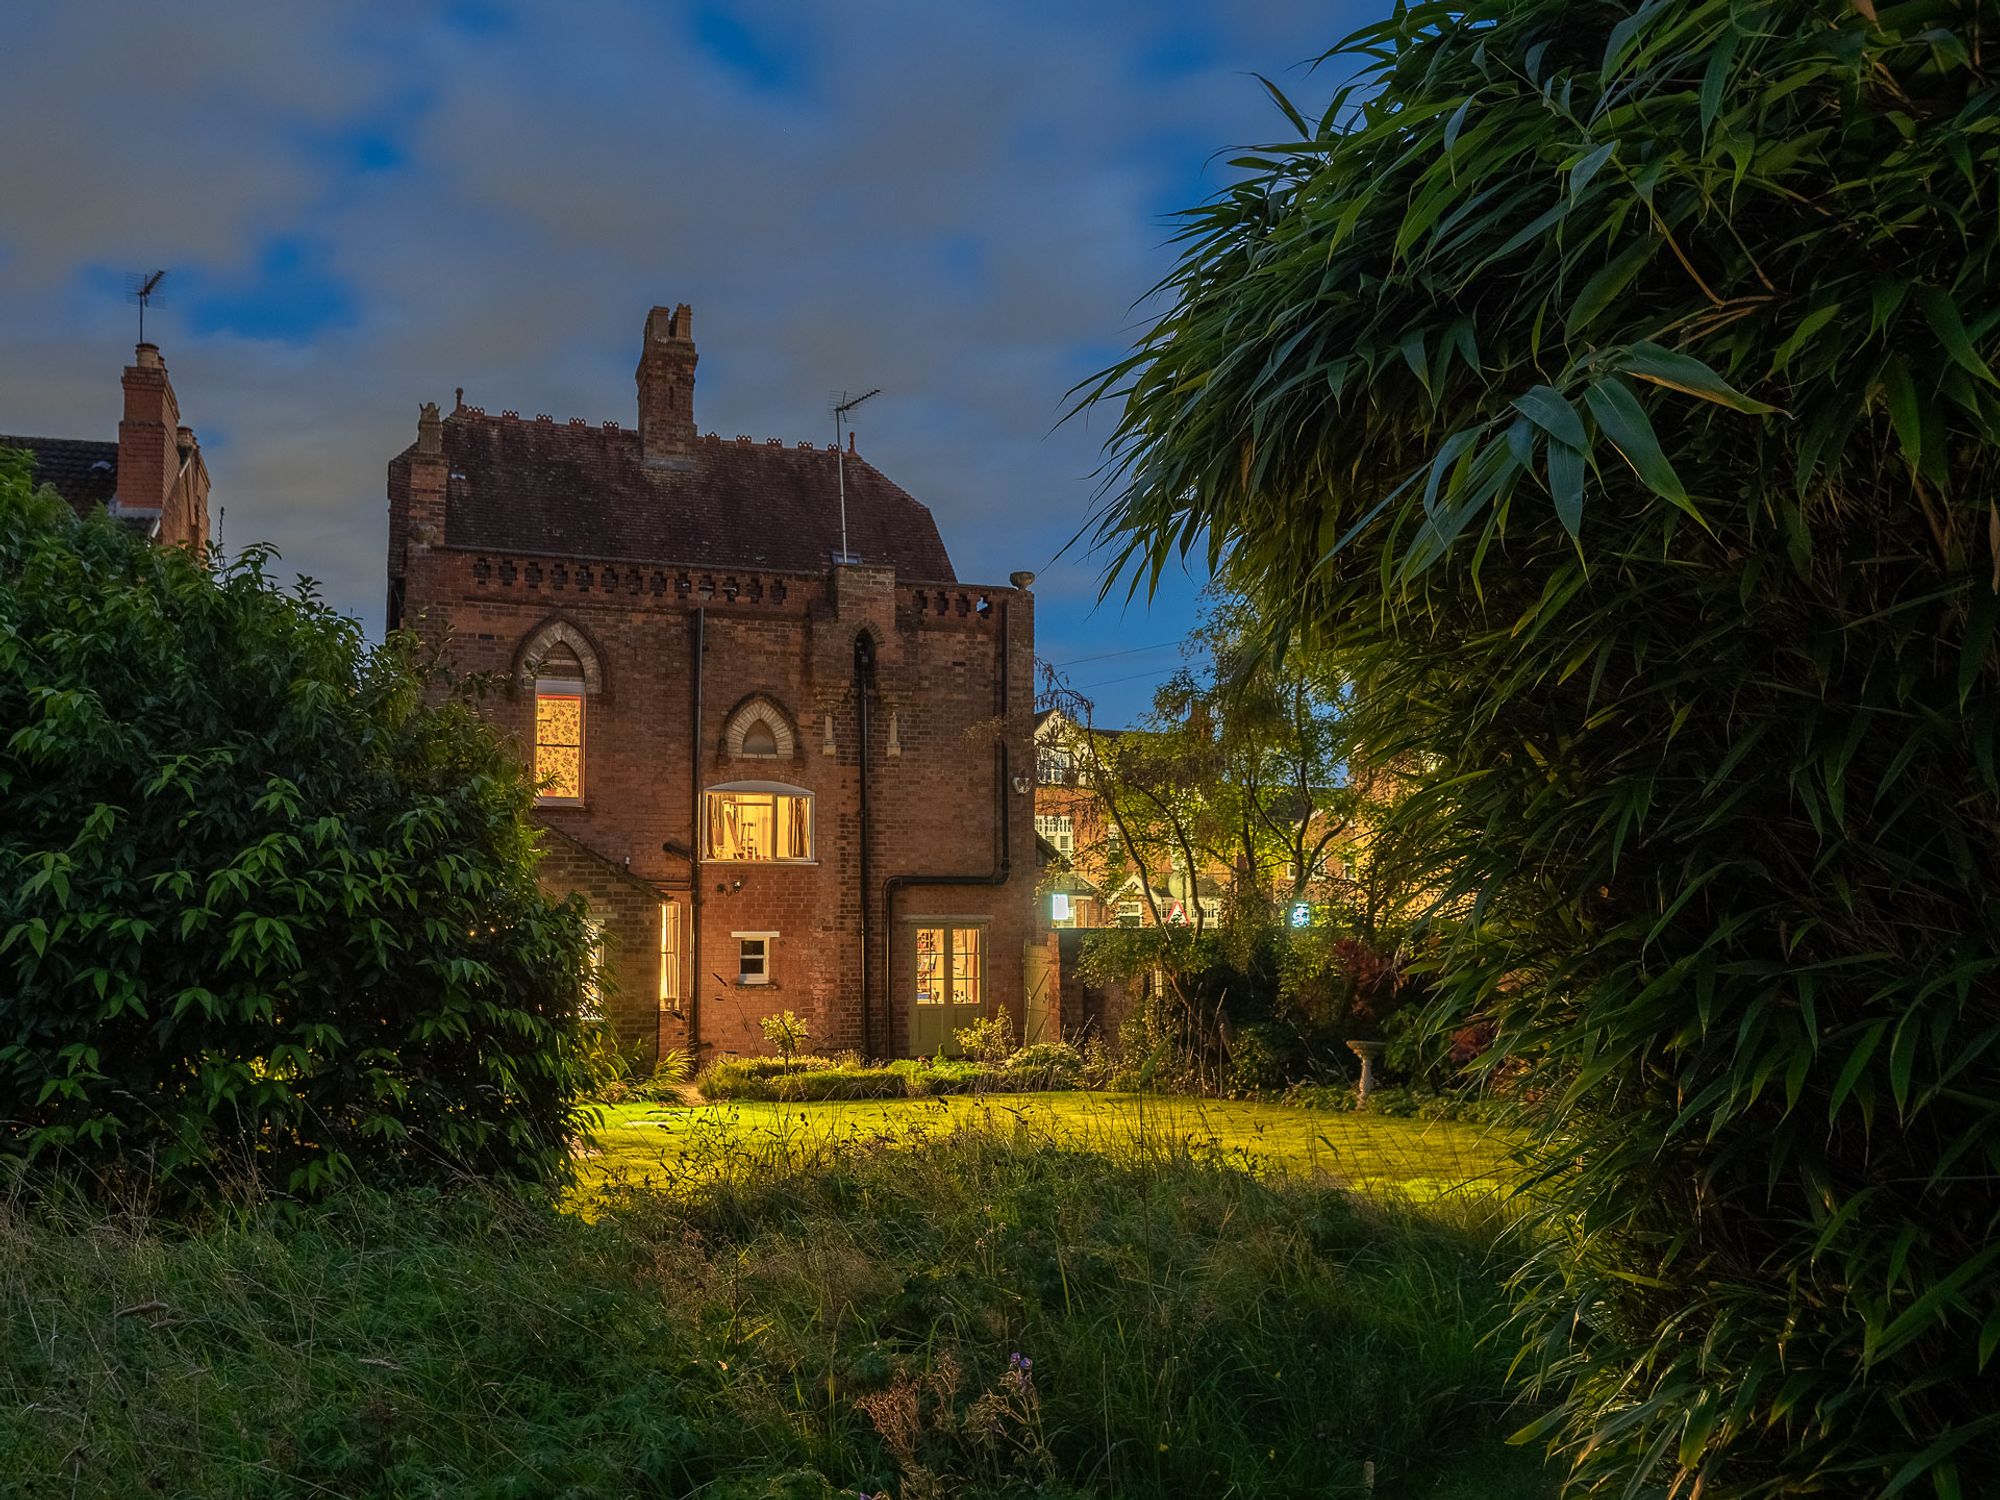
x=366 y=205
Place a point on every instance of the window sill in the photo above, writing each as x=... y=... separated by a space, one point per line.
x=562 y=804
x=757 y=864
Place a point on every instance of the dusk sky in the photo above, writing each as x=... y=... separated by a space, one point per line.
x=362 y=206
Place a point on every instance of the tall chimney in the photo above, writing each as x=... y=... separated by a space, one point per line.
x=149 y=457
x=666 y=388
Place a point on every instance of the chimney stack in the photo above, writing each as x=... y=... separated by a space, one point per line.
x=666 y=388
x=149 y=457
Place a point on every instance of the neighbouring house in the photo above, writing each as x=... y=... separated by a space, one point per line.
x=785 y=756
x=1090 y=879
x=151 y=479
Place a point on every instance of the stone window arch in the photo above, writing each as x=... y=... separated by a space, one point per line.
x=557 y=649
x=759 y=730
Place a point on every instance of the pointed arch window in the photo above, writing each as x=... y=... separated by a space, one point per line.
x=558 y=667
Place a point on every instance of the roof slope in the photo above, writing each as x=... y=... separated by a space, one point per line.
x=582 y=491
x=84 y=473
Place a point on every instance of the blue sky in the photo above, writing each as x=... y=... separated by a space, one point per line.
x=365 y=205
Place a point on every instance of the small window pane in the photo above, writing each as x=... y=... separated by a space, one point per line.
x=967 y=965
x=930 y=965
x=753 y=964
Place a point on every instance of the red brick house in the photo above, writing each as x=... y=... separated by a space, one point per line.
x=782 y=780
x=152 y=479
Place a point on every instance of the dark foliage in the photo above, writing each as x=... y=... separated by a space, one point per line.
x=1612 y=383
x=263 y=912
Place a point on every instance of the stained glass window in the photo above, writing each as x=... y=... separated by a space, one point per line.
x=559 y=746
x=759 y=825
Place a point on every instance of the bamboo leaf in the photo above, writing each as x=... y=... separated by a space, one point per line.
x=1551 y=411
x=1685 y=373
x=1603 y=289
x=1625 y=422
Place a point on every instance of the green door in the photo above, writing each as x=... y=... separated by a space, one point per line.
x=949 y=978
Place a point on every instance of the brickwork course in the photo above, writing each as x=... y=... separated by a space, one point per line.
x=670 y=568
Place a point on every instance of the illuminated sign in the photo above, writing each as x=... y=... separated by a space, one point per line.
x=1302 y=914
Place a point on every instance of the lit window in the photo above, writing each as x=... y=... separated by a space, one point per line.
x=560 y=683
x=1128 y=914
x=670 y=955
x=759 y=820
x=753 y=957
x=950 y=966
x=559 y=745
x=1059 y=829
x=593 y=983
x=1059 y=906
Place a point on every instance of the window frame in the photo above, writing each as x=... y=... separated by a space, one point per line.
x=778 y=792
x=949 y=976
x=672 y=956
x=759 y=978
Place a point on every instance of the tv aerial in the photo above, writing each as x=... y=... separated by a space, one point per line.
x=142 y=287
x=843 y=404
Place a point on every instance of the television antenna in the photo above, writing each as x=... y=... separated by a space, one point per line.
x=842 y=405
x=142 y=287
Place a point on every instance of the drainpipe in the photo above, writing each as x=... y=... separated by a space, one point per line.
x=998 y=875
x=864 y=680
x=694 y=845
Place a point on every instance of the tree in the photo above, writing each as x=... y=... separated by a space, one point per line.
x=264 y=910
x=1241 y=767
x=1613 y=384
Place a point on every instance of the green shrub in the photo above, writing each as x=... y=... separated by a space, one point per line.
x=264 y=910
x=1259 y=1060
x=771 y=1078
x=988 y=1040
x=787 y=1031
x=1608 y=386
x=1043 y=1066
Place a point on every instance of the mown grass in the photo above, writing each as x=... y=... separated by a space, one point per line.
x=784 y=1324
x=1419 y=1160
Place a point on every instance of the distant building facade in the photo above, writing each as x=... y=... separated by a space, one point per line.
x=151 y=479
x=783 y=777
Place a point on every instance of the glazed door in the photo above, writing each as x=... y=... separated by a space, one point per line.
x=948 y=974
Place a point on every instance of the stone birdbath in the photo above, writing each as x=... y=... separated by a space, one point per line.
x=1367 y=1052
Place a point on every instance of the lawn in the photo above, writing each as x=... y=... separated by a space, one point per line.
x=807 y=1317
x=1419 y=1160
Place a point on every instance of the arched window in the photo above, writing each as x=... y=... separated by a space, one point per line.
x=758 y=820
x=759 y=730
x=558 y=666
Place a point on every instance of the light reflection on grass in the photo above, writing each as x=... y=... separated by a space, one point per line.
x=1416 y=1160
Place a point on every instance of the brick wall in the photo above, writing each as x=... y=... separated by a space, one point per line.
x=937 y=792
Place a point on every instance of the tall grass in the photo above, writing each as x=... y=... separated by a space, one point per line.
x=787 y=1325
